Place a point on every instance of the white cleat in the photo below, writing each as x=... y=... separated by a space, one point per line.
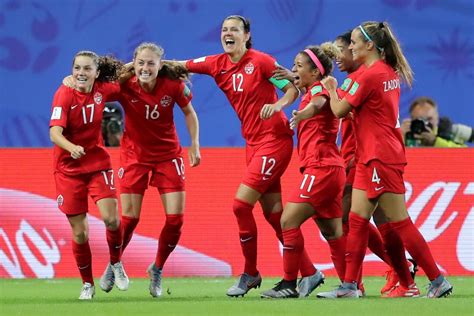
x=155 y=280
x=121 y=278
x=107 y=280
x=309 y=283
x=339 y=292
x=87 y=291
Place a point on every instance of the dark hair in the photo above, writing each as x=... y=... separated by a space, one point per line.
x=326 y=52
x=422 y=100
x=169 y=69
x=246 y=23
x=387 y=44
x=108 y=66
x=345 y=37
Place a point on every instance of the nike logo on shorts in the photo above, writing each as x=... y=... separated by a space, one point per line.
x=304 y=196
x=379 y=188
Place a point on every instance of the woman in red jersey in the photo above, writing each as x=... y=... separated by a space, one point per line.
x=319 y=194
x=374 y=98
x=82 y=165
x=245 y=76
x=150 y=151
x=383 y=242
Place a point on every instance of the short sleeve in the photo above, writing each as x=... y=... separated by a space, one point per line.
x=269 y=65
x=184 y=95
x=60 y=108
x=359 y=90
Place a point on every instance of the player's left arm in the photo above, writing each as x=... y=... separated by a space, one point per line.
x=311 y=109
x=192 y=124
x=289 y=96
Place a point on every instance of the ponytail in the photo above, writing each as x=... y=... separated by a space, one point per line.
x=389 y=47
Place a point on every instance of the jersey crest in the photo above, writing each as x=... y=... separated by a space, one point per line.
x=166 y=101
x=249 y=68
x=98 y=98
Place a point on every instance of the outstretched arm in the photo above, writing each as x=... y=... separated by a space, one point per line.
x=291 y=93
x=310 y=110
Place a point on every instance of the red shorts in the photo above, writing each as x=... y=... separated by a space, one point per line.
x=72 y=191
x=376 y=178
x=266 y=164
x=322 y=188
x=167 y=176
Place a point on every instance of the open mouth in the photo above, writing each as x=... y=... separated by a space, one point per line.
x=229 y=42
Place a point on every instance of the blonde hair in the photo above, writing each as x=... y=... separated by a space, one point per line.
x=389 y=47
x=171 y=70
x=326 y=53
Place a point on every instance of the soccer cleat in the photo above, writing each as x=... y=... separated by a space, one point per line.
x=155 y=280
x=339 y=292
x=361 y=290
x=107 y=280
x=121 y=278
x=245 y=283
x=392 y=282
x=307 y=284
x=401 y=291
x=87 y=291
x=442 y=290
x=413 y=267
x=283 y=289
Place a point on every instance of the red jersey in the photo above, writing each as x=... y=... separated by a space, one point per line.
x=375 y=97
x=348 y=141
x=150 y=134
x=317 y=135
x=248 y=88
x=80 y=116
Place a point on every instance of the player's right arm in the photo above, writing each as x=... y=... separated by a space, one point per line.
x=57 y=137
x=59 y=121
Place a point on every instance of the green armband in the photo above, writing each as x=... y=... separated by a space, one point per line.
x=280 y=84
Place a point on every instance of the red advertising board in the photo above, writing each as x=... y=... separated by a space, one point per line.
x=35 y=238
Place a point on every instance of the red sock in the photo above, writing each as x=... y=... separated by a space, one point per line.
x=128 y=226
x=338 y=255
x=247 y=234
x=114 y=240
x=306 y=265
x=376 y=244
x=82 y=254
x=396 y=253
x=417 y=247
x=169 y=238
x=293 y=242
x=356 y=246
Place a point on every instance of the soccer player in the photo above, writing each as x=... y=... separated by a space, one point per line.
x=82 y=165
x=374 y=98
x=151 y=153
x=391 y=246
x=245 y=76
x=320 y=193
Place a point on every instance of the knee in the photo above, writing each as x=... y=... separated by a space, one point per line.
x=111 y=222
x=175 y=221
x=80 y=237
x=241 y=208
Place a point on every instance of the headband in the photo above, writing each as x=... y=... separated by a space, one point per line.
x=369 y=39
x=315 y=60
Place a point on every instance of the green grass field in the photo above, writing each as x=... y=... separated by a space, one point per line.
x=206 y=296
